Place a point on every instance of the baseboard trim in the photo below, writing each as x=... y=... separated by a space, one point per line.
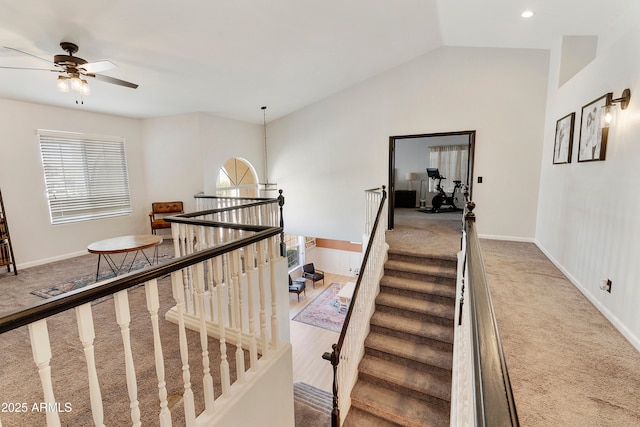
x=507 y=238
x=621 y=327
x=49 y=260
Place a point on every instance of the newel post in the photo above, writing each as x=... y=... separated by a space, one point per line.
x=334 y=358
x=283 y=245
x=470 y=216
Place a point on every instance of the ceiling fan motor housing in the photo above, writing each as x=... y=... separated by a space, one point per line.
x=70 y=60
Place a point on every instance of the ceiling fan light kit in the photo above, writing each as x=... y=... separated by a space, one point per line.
x=73 y=70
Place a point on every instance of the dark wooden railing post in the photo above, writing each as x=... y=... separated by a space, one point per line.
x=283 y=245
x=333 y=358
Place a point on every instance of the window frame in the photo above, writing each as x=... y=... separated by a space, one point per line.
x=86 y=176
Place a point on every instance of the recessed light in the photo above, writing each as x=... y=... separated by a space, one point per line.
x=527 y=14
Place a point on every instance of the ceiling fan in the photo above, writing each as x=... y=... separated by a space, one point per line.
x=73 y=70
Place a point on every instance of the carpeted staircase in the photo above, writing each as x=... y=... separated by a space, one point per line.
x=405 y=375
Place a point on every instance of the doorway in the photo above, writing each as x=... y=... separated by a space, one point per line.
x=409 y=158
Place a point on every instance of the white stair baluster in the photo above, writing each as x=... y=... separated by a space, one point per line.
x=123 y=317
x=235 y=263
x=187 y=396
x=225 y=377
x=87 y=335
x=264 y=340
x=153 y=304
x=41 y=349
x=251 y=270
x=274 y=308
x=207 y=380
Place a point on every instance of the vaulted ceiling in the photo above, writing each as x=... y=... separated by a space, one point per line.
x=231 y=57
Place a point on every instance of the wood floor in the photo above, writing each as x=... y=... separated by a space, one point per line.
x=309 y=342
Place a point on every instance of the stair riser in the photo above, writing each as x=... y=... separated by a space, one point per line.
x=432 y=341
x=434 y=367
x=438 y=318
x=450 y=263
x=450 y=281
x=418 y=295
x=441 y=401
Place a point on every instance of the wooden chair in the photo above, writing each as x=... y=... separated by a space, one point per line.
x=160 y=210
x=297 y=286
x=312 y=273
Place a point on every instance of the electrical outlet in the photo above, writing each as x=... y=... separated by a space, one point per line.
x=605 y=285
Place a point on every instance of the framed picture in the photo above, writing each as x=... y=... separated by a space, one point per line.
x=564 y=139
x=593 y=138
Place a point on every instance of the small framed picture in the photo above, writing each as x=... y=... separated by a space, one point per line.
x=593 y=137
x=564 y=139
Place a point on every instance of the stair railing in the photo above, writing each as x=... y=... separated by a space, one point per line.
x=481 y=392
x=238 y=263
x=349 y=350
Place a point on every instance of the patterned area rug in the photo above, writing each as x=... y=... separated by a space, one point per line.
x=89 y=279
x=323 y=311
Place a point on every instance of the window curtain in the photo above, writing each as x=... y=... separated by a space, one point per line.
x=451 y=161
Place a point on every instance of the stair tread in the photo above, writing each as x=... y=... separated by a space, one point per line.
x=432 y=308
x=397 y=407
x=425 y=382
x=421 y=286
x=358 y=418
x=439 y=256
x=416 y=352
x=413 y=326
x=411 y=267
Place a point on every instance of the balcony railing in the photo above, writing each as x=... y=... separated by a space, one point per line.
x=223 y=281
x=348 y=351
x=481 y=391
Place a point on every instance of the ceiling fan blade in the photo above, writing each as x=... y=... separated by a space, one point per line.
x=36 y=69
x=98 y=66
x=113 y=80
x=30 y=54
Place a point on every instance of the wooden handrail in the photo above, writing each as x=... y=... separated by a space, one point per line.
x=334 y=356
x=494 y=402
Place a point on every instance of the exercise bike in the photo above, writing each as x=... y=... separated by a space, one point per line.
x=455 y=199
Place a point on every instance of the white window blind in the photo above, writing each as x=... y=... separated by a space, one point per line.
x=85 y=175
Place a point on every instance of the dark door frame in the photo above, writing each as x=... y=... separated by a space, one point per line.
x=392 y=163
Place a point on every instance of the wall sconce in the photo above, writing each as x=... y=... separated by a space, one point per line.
x=411 y=176
x=608 y=117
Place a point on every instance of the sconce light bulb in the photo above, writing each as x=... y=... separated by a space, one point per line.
x=608 y=117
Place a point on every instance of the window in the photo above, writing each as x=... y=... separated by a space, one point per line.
x=451 y=161
x=236 y=179
x=85 y=176
x=293 y=251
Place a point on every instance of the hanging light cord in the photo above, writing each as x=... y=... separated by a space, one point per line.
x=264 y=123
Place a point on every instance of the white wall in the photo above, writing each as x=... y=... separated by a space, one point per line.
x=223 y=139
x=325 y=155
x=169 y=158
x=587 y=215
x=33 y=237
x=334 y=261
x=172 y=154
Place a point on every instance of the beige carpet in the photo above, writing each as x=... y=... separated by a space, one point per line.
x=568 y=365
